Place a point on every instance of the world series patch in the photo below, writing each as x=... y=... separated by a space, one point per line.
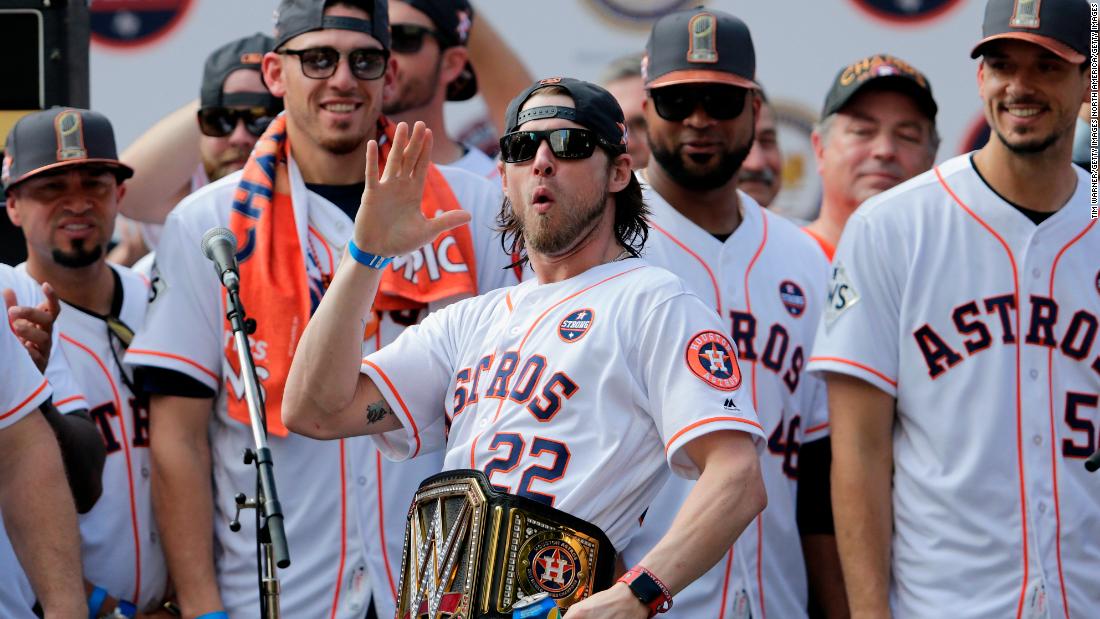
x=710 y=356
x=792 y=297
x=575 y=325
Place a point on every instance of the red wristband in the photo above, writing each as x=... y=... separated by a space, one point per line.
x=649 y=589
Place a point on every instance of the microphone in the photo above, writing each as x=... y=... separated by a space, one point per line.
x=1093 y=463
x=220 y=246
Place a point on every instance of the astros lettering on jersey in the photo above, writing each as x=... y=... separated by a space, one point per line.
x=767 y=283
x=983 y=326
x=574 y=393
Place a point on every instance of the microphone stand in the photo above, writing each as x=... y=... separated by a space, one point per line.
x=270 y=534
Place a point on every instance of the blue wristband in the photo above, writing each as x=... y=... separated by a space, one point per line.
x=366 y=258
x=219 y=614
x=127 y=609
x=95 y=601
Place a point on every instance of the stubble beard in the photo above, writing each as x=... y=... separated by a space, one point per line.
x=417 y=93
x=728 y=164
x=543 y=236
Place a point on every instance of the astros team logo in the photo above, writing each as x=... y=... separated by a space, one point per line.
x=135 y=23
x=791 y=295
x=906 y=11
x=710 y=357
x=575 y=325
x=553 y=567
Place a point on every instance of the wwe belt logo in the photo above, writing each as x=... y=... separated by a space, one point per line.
x=442 y=544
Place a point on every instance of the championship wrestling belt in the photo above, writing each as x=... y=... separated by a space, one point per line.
x=471 y=552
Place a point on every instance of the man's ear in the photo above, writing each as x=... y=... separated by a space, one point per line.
x=620 y=173
x=271 y=70
x=12 y=208
x=454 y=61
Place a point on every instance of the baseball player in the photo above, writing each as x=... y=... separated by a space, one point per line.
x=573 y=389
x=761 y=174
x=330 y=67
x=877 y=129
x=66 y=200
x=39 y=546
x=197 y=144
x=960 y=352
x=763 y=278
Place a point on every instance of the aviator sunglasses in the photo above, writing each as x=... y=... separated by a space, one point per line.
x=409 y=38
x=566 y=143
x=218 y=122
x=719 y=101
x=367 y=63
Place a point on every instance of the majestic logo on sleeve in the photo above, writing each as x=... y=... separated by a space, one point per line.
x=710 y=357
x=842 y=295
x=575 y=325
x=792 y=297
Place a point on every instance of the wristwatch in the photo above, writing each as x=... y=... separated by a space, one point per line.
x=649 y=589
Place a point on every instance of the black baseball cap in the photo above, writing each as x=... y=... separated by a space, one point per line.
x=1061 y=26
x=294 y=17
x=593 y=107
x=56 y=138
x=699 y=46
x=245 y=53
x=452 y=19
x=880 y=72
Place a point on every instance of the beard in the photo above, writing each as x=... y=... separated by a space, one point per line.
x=417 y=93
x=719 y=173
x=225 y=164
x=79 y=257
x=576 y=221
x=1031 y=146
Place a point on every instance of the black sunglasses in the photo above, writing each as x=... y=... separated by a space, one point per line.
x=218 y=122
x=719 y=101
x=566 y=143
x=121 y=334
x=367 y=63
x=409 y=38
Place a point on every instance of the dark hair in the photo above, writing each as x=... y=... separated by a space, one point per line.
x=631 y=225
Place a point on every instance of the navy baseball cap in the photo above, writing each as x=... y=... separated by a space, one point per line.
x=56 y=138
x=699 y=46
x=880 y=71
x=245 y=53
x=294 y=17
x=1061 y=26
x=593 y=108
x=452 y=19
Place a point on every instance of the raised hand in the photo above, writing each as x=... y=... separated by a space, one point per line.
x=389 y=221
x=34 y=325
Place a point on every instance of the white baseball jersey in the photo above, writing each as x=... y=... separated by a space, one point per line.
x=983 y=326
x=67 y=395
x=477 y=162
x=324 y=486
x=22 y=390
x=386 y=488
x=572 y=393
x=767 y=284
x=119 y=546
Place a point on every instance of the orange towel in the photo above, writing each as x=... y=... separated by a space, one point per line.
x=274 y=284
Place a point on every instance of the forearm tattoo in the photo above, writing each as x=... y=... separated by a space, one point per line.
x=377 y=411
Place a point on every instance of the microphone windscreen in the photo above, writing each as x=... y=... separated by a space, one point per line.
x=214 y=234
